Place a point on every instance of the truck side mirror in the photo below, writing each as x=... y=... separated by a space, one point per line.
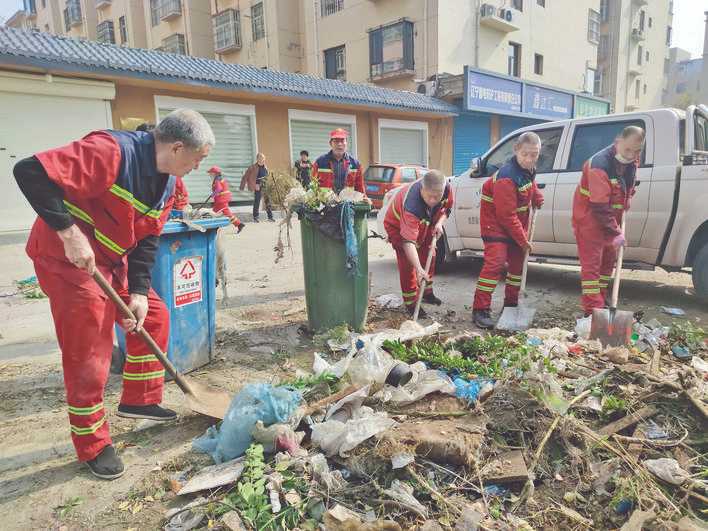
x=476 y=167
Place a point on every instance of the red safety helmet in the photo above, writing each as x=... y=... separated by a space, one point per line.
x=215 y=169
x=338 y=133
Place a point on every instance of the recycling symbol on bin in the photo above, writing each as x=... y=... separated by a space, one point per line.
x=187 y=271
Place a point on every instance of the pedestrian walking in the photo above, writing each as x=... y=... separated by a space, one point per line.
x=606 y=187
x=102 y=202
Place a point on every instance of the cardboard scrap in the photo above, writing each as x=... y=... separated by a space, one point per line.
x=628 y=421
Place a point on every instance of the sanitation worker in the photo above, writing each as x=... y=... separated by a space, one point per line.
x=337 y=169
x=102 y=202
x=417 y=213
x=504 y=220
x=222 y=195
x=604 y=192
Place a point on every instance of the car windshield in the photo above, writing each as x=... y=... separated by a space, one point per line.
x=383 y=174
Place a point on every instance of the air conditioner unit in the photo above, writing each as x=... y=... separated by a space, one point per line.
x=508 y=15
x=488 y=10
x=428 y=88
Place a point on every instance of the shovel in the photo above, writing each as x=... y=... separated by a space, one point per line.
x=611 y=327
x=200 y=398
x=520 y=318
x=422 y=284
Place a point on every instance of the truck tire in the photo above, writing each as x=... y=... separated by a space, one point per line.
x=700 y=273
x=443 y=257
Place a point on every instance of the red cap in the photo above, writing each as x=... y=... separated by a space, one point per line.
x=214 y=169
x=338 y=133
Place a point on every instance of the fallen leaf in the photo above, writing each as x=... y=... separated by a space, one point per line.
x=123 y=506
x=137 y=508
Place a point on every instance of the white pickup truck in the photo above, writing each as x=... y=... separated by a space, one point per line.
x=667 y=225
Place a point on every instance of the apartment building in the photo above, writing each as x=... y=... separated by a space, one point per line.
x=635 y=36
x=683 y=79
x=180 y=26
x=121 y=22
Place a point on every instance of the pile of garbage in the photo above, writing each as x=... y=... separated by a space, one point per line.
x=416 y=429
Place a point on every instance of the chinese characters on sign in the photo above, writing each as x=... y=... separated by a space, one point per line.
x=547 y=103
x=187 y=275
x=491 y=92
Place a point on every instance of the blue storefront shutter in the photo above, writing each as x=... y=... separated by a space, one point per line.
x=470 y=139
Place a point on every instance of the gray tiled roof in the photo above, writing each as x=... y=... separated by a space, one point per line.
x=18 y=47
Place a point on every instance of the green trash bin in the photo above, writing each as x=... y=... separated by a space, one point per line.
x=334 y=297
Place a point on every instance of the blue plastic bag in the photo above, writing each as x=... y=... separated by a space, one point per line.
x=254 y=402
x=469 y=389
x=351 y=261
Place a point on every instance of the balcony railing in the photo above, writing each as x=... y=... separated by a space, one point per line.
x=227 y=31
x=170 y=9
x=73 y=13
x=102 y=3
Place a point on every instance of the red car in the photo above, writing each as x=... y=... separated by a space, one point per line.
x=380 y=178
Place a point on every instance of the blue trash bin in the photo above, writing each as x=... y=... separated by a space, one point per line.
x=184 y=276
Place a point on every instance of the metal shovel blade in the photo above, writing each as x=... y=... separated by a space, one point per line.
x=612 y=328
x=207 y=400
x=516 y=319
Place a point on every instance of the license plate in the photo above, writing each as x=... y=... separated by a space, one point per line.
x=372 y=187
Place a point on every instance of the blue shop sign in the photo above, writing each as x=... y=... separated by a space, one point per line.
x=491 y=93
x=547 y=103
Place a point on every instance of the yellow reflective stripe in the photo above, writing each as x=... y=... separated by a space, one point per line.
x=488 y=281
x=513 y=283
x=591 y=291
x=410 y=293
x=484 y=288
x=613 y=181
x=584 y=191
x=324 y=170
x=105 y=240
x=487 y=198
x=618 y=206
x=140 y=359
x=78 y=213
x=522 y=209
x=589 y=282
x=605 y=277
x=90 y=410
x=138 y=376
x=140 y=207
x=513 y=277
x=524 y=187
x=424 y=222
x=83 y=216
x=93 y=428
x=395 y=213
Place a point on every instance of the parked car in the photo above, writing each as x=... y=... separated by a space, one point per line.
x=667 y=225
x=381 y=178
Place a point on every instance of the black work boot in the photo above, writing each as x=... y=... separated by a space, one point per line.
x=107 y=464
x=483 y=319
x=151 y=412
x=430 y=298
x=511 y=305
x=421 y=313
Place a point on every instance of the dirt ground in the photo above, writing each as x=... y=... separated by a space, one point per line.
x=258 y=339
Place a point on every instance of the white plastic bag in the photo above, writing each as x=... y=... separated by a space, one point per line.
x=335 y=437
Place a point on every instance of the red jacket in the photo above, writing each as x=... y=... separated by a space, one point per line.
x=504 y=212
x=220 y=190
x=101 y=176
x=604 y=192
x=181 y=195
x=409 y=219
x=323 y=171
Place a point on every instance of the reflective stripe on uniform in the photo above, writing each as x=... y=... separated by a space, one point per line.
x=324 y=170
x=88 y=430
x=487 y=198
x=524 y=187
x=591 y=291
x=139 y=376
x=617 y=206
x=102 y=238
x=523 y=208
x=140 y=207
x=584 y=191
x=141 y=359
x=84 y=411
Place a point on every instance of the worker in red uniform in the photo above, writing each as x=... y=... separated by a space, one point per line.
x=504 y=219
x=222 y=196
x=337 y=169
x=606 y=186
x=181 y=200
x=102 y=202
x=417 y=213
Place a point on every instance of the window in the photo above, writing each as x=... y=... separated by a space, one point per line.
x=591 y=138
x=637 y=89
x=593 y=26
x=67 y=25
x=517 y=4
x=257 y=22
x=382 y=174
x=155 y=12
x=105 y=32
x=44 y=4
x=391 y=49
x=514 y=60
x=668 y=36
x=597 y=87
x=550 y=138
x=175 y=44
x=73 y=12
x=651 y=22
x=123 y=30
x=642 y=16
x=640 y=55
x=335 y=63
x=227 y=30
x=542 y=3
x=30 y=6
x=170 y=8
x=408 y=175
x=589 y=80
x=538 y=64
x=330 y=7
x=604 y=10
x=700 y=141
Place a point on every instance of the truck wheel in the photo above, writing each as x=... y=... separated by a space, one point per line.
x=700 y=273
x=443 y=257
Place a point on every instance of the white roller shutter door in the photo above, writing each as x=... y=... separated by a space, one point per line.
x=403 y=146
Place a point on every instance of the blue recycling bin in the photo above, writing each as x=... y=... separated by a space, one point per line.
x=184 y=276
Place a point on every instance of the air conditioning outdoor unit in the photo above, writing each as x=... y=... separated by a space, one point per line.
x=428 y=88
x=488 y=10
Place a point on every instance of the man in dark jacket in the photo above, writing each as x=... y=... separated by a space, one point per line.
x=254 y=178
x=303 y=169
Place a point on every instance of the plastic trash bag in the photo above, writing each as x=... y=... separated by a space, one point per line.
x=335 y=437
x=582 y=327
x=424 y=382
x=254 y=402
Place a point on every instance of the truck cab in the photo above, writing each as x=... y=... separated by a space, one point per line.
x=667 y=224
